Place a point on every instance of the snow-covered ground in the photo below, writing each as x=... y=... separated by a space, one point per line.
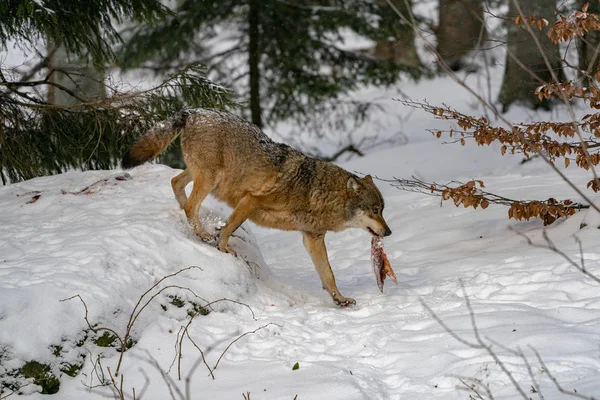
x=109 y=237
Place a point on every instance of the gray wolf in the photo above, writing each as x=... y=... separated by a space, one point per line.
x=266 y=182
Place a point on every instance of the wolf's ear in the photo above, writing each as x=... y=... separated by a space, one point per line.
x=353 y=185
x=368 y=178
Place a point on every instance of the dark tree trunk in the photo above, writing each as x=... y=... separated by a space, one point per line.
x=519 y=84
x=254 y=61
x=460 y=30
x=589 y=45
x=400 y=49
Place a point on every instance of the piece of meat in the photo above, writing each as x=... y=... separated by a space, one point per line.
x=381 y=264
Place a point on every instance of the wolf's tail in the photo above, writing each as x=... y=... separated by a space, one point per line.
x=155 y=141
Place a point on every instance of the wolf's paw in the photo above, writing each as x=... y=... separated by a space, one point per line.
x=227 y=249
x=210 y=239
x=344 y=301
x=204 y=236
x=200 y=231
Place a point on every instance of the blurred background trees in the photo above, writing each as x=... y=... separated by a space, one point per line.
x=62 y=112
x=589 y=43
x=461 y=29
x=287 y=60
x=529 y=65
x=299 y=62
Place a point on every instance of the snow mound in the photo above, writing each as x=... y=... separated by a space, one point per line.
x=108 y=237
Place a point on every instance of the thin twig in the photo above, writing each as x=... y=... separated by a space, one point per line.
x=417 y=185
x=115 y=334
x=552 y=247
x=561 y=93
x=534 y=384
x=480 y=344
x=187 y=333
x=555 y=381
x=480 y=99
x=238 y=338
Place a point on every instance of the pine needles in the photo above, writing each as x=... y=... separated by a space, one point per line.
x=38 y=138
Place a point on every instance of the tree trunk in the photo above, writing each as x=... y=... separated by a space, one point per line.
x=460 y=30
x=254 y=61
x=519 y=83
x=588 y=46
x=77 y=76
x=399 y=49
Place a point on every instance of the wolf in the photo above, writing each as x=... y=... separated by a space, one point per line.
x=267 y=182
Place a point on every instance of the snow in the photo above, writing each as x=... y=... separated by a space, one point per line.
x=109 y=236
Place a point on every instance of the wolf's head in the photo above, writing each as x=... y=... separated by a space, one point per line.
x=365 y=206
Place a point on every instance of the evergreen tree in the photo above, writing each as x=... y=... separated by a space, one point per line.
x=87 y=132
x=286 y=59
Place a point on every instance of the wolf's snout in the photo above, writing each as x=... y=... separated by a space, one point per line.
x=388 y=231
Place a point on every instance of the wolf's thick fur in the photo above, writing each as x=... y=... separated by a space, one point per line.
x=269 y=183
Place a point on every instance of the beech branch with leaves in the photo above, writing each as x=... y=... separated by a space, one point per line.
x=572 y=142
x=469 y=195
x=555 y=139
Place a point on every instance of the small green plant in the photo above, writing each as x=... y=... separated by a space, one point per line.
x=176 y=301
x=71 y=369
x=129 y=343
x=56 y=350
x=295 y=367
x=81 y=342
x=41 y=376
x=197 y=309
x=106 y=340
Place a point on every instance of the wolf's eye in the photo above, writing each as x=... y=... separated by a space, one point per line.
x=375 y=211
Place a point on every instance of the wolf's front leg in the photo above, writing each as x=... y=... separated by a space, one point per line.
x=315 y=245
x=245 y=208
x=191 y=205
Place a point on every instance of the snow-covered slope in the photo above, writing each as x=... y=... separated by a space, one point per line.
x=110 y=237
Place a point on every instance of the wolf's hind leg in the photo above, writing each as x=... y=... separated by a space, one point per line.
x=245 y=208
x=191 y=206
x=315 y=245
x=179 y=183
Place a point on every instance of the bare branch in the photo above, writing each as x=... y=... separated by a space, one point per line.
x=552 y=247
x=479 y=342
x=430 y=47
x=238 y=338
x=555 y=381
x=349 y=149
x=468 y=195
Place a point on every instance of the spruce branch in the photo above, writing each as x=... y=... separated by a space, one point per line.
x=39 y=138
